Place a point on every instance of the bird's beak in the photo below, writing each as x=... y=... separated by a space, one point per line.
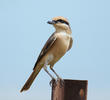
x=51 y=22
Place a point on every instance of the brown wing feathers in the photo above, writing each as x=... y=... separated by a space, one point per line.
x=46 y=47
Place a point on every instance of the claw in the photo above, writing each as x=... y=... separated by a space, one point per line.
x=52 y=82
x=61 y=82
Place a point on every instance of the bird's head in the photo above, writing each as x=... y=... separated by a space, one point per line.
x=60 y=23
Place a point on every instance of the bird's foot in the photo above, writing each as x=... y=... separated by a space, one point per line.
x=53 y=82
x=61 y=82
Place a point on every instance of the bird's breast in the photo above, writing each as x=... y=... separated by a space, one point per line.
x=64 y=40
x=61 y=46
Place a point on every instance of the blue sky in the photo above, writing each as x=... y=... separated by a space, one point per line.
x=23 y=32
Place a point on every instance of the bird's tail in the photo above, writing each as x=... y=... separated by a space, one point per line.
x=31 y=78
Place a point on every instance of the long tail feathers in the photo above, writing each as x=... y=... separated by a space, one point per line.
x=31 y=79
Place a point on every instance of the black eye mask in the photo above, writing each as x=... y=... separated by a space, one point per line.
x=61 y=21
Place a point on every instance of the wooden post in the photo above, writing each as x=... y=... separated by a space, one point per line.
x=69 y=90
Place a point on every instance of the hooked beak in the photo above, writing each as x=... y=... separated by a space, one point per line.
x=51 y=22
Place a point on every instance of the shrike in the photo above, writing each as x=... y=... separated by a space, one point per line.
x=55 y=47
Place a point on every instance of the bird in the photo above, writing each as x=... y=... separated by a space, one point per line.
x=54 y=49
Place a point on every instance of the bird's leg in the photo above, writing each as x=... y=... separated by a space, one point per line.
x=45 y=68
x=53 y=79
x=58 y=77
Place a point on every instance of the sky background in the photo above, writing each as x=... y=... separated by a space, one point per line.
x=24 y=30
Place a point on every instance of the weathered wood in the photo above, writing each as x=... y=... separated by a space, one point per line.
x=69 y=90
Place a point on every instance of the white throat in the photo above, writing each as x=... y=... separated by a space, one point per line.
x=64 y=33
x=62 y=30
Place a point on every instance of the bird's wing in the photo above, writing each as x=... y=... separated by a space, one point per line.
x=70 y=44
x=46 y=47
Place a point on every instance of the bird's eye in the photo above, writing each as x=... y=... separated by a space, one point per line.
x=62 y=21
